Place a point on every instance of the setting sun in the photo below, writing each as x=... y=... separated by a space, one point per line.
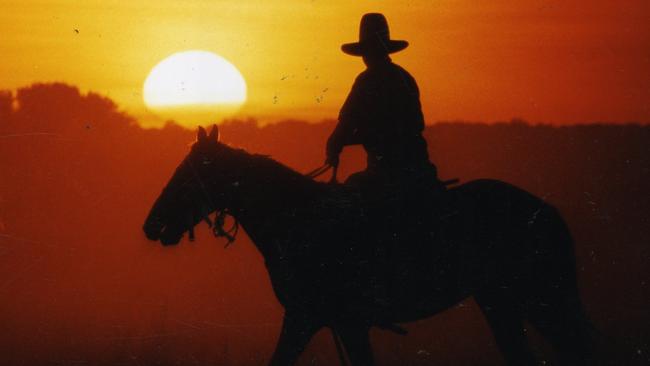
x=194 y=87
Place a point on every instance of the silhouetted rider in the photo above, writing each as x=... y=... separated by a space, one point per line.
x=382 y=111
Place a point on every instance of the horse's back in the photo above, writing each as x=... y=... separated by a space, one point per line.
x=514 y=231
x=496 y=192
x=501 y=206
x=475 y=235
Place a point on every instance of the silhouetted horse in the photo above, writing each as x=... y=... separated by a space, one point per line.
x=335 y=263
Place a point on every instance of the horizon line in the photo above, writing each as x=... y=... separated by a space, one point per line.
x=265 y=119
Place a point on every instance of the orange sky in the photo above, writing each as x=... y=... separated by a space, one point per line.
x=544 y=61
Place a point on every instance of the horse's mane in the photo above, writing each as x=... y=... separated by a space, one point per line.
x=269 y=167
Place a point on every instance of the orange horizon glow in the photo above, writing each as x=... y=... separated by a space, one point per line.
x=82 y=162
x=543 y=61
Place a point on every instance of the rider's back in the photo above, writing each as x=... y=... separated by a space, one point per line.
x=384 y=114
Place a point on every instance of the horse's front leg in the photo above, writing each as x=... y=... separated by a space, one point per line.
x=297 y=330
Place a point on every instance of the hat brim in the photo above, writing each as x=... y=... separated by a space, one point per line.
x=362 y=48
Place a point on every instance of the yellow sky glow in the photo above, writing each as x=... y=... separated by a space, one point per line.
x=552 y=61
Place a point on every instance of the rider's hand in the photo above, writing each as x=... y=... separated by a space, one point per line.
x=332 y=160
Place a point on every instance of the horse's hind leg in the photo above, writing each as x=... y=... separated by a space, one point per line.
x=507 y=324
x=356 y=340
x=561 y=319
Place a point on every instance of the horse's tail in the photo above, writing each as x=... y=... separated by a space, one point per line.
x=553 y=236
x=556 y=309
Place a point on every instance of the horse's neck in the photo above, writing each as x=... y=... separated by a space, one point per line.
x=268 y=193
x=269 y=185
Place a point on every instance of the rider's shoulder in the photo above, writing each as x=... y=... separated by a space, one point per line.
x=400 y=70
x=363 y=76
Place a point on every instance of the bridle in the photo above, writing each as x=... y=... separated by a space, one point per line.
x=217 y=225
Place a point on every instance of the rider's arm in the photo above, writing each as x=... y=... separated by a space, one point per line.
x=344 y=134
x=346 y=131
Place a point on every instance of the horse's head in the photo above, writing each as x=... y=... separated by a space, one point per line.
x=198 y=187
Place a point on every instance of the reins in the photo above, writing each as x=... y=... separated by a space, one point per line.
x=318 y=171
x=322 y=170
x=217 y=225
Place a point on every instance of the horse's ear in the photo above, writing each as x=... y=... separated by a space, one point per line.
x=214 y=133
x=201 y=135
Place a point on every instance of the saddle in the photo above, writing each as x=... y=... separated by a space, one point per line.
x=378 y=198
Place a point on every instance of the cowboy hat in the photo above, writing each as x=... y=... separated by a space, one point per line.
x=374 y=37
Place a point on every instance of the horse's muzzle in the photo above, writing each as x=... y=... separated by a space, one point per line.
x=170 y=239
x=152 y=229
x=166 y=234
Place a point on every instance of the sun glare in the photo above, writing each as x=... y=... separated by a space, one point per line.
x=194 y=88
